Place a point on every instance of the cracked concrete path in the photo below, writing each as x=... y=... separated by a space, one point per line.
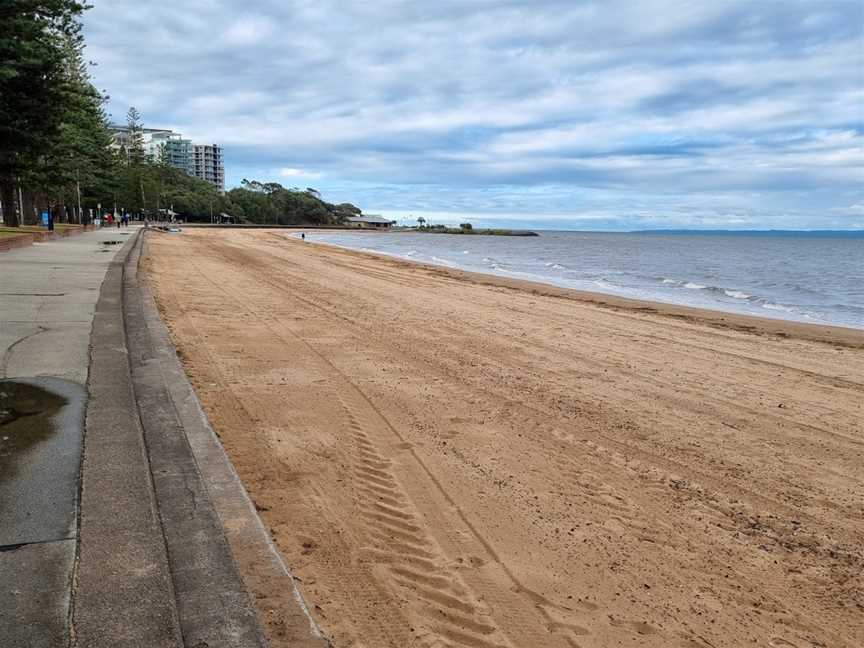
x=48 y=296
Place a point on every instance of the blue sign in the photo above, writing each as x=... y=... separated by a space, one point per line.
x=45 y=219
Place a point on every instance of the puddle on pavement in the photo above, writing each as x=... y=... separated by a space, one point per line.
x=26 y=418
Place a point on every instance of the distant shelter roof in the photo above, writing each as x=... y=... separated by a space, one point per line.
x=370 y=218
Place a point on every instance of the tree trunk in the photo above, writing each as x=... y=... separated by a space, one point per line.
x=7 y=197
x=29 y=206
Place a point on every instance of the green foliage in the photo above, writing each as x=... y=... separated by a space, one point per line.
x=348 y=208
x=443 y=229
x=34 y=48
x=272 y=203
x=135 y=147
x=32 y=71
x=80 y=154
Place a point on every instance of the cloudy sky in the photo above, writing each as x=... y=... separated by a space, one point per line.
x=600 y=115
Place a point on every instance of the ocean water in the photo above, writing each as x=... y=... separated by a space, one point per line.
x=816 y=278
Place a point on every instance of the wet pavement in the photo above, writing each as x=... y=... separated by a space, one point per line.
x=48 y=296
x=41 y=432
x=41 y=429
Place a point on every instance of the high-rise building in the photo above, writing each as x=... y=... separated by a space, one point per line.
x=209 y=164
x=173 y=149
x=202 y=161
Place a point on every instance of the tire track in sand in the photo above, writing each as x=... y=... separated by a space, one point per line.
x=535 y=614
x=401 y=545
x=454 y=616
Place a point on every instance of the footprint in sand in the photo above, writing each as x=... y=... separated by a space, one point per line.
x=780 y=642
x=639 y=627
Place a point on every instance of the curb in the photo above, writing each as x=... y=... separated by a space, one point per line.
x=122 y=590
x=163 y=516
x=17 y=241
x=254 y=552
x=212 y=603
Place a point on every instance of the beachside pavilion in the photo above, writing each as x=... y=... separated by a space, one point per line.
x=369 y=221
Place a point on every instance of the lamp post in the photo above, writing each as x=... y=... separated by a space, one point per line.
x=20 y=203
x=78 y=189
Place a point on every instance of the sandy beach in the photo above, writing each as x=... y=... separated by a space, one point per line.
x=449 y=459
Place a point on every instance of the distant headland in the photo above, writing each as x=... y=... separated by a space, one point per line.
x=468 y=229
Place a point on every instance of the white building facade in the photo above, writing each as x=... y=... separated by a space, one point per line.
x=204 y=161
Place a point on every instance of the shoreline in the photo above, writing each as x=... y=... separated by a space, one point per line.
x=778 y=327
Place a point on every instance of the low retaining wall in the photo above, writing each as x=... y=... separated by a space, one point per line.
x=74 y=229
x=28 y=236
x=261 y=226
x=16 y=241
x=37 y=235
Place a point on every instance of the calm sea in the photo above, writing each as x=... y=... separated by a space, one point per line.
x=803 y=277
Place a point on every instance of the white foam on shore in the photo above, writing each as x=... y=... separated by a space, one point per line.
x=445 y=262
x=590 y=276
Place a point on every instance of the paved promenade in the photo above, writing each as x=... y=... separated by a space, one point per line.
x=48 y=295
x=112 y=526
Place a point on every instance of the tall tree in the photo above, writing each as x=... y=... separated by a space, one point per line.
x=80 y=156
x=134 y=176
x=135 y=141
x=31 y=86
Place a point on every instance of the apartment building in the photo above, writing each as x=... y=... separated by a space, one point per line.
x=171 y=147
x=209 y=164
x=204 y=161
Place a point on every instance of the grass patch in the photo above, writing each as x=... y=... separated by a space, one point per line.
x=30 y=229
x=23 y=229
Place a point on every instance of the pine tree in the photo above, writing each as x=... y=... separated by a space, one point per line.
x=31 y=86
x=135 y=142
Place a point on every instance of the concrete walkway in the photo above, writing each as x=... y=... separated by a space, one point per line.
x=122 y=521
x=48 y=295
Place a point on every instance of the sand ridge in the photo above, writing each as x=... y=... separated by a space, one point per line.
x=455 y=460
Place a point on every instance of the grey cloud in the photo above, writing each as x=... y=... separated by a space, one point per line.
x=640 y=99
